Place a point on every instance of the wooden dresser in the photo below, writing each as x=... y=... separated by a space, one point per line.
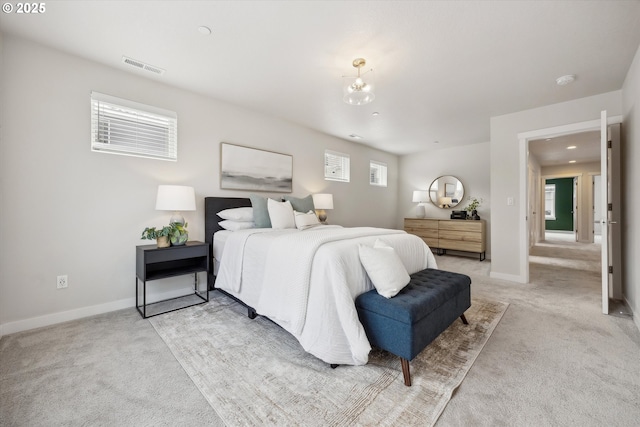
x=453 y=234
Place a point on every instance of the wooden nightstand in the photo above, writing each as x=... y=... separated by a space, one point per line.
x=153 y=263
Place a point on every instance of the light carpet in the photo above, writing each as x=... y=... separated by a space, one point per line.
x=252 y=372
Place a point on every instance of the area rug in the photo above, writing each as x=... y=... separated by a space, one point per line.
x=252 y=372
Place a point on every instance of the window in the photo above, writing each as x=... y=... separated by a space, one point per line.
x=125 y=127
x=550 y=202
x=336 y=166
x=378 y=173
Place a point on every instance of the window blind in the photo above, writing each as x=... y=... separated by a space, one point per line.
x=336 y=166
x=378 y=173
x=119 y=126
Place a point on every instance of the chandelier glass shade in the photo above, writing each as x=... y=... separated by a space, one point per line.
x=357 y=90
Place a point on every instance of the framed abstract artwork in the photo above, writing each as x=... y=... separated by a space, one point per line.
x=252 y=169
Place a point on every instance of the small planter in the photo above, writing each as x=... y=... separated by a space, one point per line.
x=163 y=241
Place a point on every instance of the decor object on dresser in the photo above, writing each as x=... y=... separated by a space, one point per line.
x=446 y=191
x=160 y=236
x=356 y=90
x=443 y=234
x=473 y=206
x=321 y=202
x=245 y=168
x=176 y=198
x=419 y=197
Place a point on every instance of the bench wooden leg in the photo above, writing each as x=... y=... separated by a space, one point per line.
x=405 y=371
x=464 y=319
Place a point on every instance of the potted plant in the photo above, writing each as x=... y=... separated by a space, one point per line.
x=178 y=233
x=160 y=236
x=472 y=207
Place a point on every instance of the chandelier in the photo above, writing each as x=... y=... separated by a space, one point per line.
x=356 y=90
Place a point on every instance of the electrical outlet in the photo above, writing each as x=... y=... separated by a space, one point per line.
x=62 y=281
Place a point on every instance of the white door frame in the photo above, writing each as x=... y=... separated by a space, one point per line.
x=524 y=138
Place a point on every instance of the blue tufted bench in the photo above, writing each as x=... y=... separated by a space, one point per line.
x=405 y=324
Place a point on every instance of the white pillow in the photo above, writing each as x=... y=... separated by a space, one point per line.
x=384 y=267
x=280 y=214
x=237 y=214
x=305 y=220
x=228 y=224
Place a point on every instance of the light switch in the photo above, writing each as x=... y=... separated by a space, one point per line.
x=509 y=201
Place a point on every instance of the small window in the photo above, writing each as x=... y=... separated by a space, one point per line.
x=550 y=202
x=378 y=173
x=119 y=126
x=336 y=166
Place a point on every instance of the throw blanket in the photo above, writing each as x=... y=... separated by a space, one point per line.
x=285 y=288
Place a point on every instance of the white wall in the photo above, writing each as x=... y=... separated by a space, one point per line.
x=506 y=245
x=470 y=164
x=630 y=185
x=67 y=210
x=585 y=173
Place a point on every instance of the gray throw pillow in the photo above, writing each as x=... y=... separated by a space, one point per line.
x=301 y=205
x=260 y=211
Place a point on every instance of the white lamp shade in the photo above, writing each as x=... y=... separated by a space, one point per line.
x=420 y=196
x=175 y=198
x=323 y=201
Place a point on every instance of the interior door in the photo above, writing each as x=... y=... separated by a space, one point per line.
x=604 y=209
x=574 y=210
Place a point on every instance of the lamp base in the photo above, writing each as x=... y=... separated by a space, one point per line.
x=420 y=211
x=322 y=215
x=176 y=218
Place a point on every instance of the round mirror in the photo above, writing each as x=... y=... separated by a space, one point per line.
x=446 y=192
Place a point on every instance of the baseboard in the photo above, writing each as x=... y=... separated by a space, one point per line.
x=636 y=319
x=79 y=313
x=509 y=277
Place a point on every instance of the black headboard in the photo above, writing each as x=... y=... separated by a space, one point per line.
x=213 y=205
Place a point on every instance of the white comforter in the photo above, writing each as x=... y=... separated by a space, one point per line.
x=307 y=281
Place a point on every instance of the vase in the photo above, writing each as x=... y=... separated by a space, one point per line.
x=474 y=214
x=180 y=240
x=163 y=241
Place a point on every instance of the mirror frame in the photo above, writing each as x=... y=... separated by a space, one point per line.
x=456 y=191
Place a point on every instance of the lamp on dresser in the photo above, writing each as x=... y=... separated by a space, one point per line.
x=322 y=202
x=419 y=197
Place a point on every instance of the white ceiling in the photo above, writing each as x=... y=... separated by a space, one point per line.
x=441 y=68
x=554 y=151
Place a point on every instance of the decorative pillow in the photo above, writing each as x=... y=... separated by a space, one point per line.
x=384 y=267
x=260 y=211
x=280 y=214
x=229 y=224
x=305 y=220
x=237 y=214
x=301 y=205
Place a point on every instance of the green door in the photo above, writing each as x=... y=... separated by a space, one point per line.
x=559 y=204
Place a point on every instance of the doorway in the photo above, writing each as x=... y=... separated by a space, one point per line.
x=585 y=220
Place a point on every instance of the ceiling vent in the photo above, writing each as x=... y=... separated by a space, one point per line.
x=141 y=65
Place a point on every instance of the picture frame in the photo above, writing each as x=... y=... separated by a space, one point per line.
x=253 y=169
x=449 y=190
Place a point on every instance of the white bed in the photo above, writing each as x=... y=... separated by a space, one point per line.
x=307 y=280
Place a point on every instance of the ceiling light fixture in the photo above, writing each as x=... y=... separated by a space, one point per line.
x=565 y=80
x=572 y=161
x=355 y=136
x=571 y=147
x=375 y=113
x=356 y=90
x=205 y=31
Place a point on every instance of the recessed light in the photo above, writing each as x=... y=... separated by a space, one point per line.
x=375 y=113
x=548 y=139
x=571 y=147
x=572 y=161
x=205 y=31
x=565 y=80
x=436 y=142
x=353 y=135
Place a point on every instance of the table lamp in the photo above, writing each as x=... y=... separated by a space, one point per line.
x=420 y=196
x=176 y=198
x=322 y=202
